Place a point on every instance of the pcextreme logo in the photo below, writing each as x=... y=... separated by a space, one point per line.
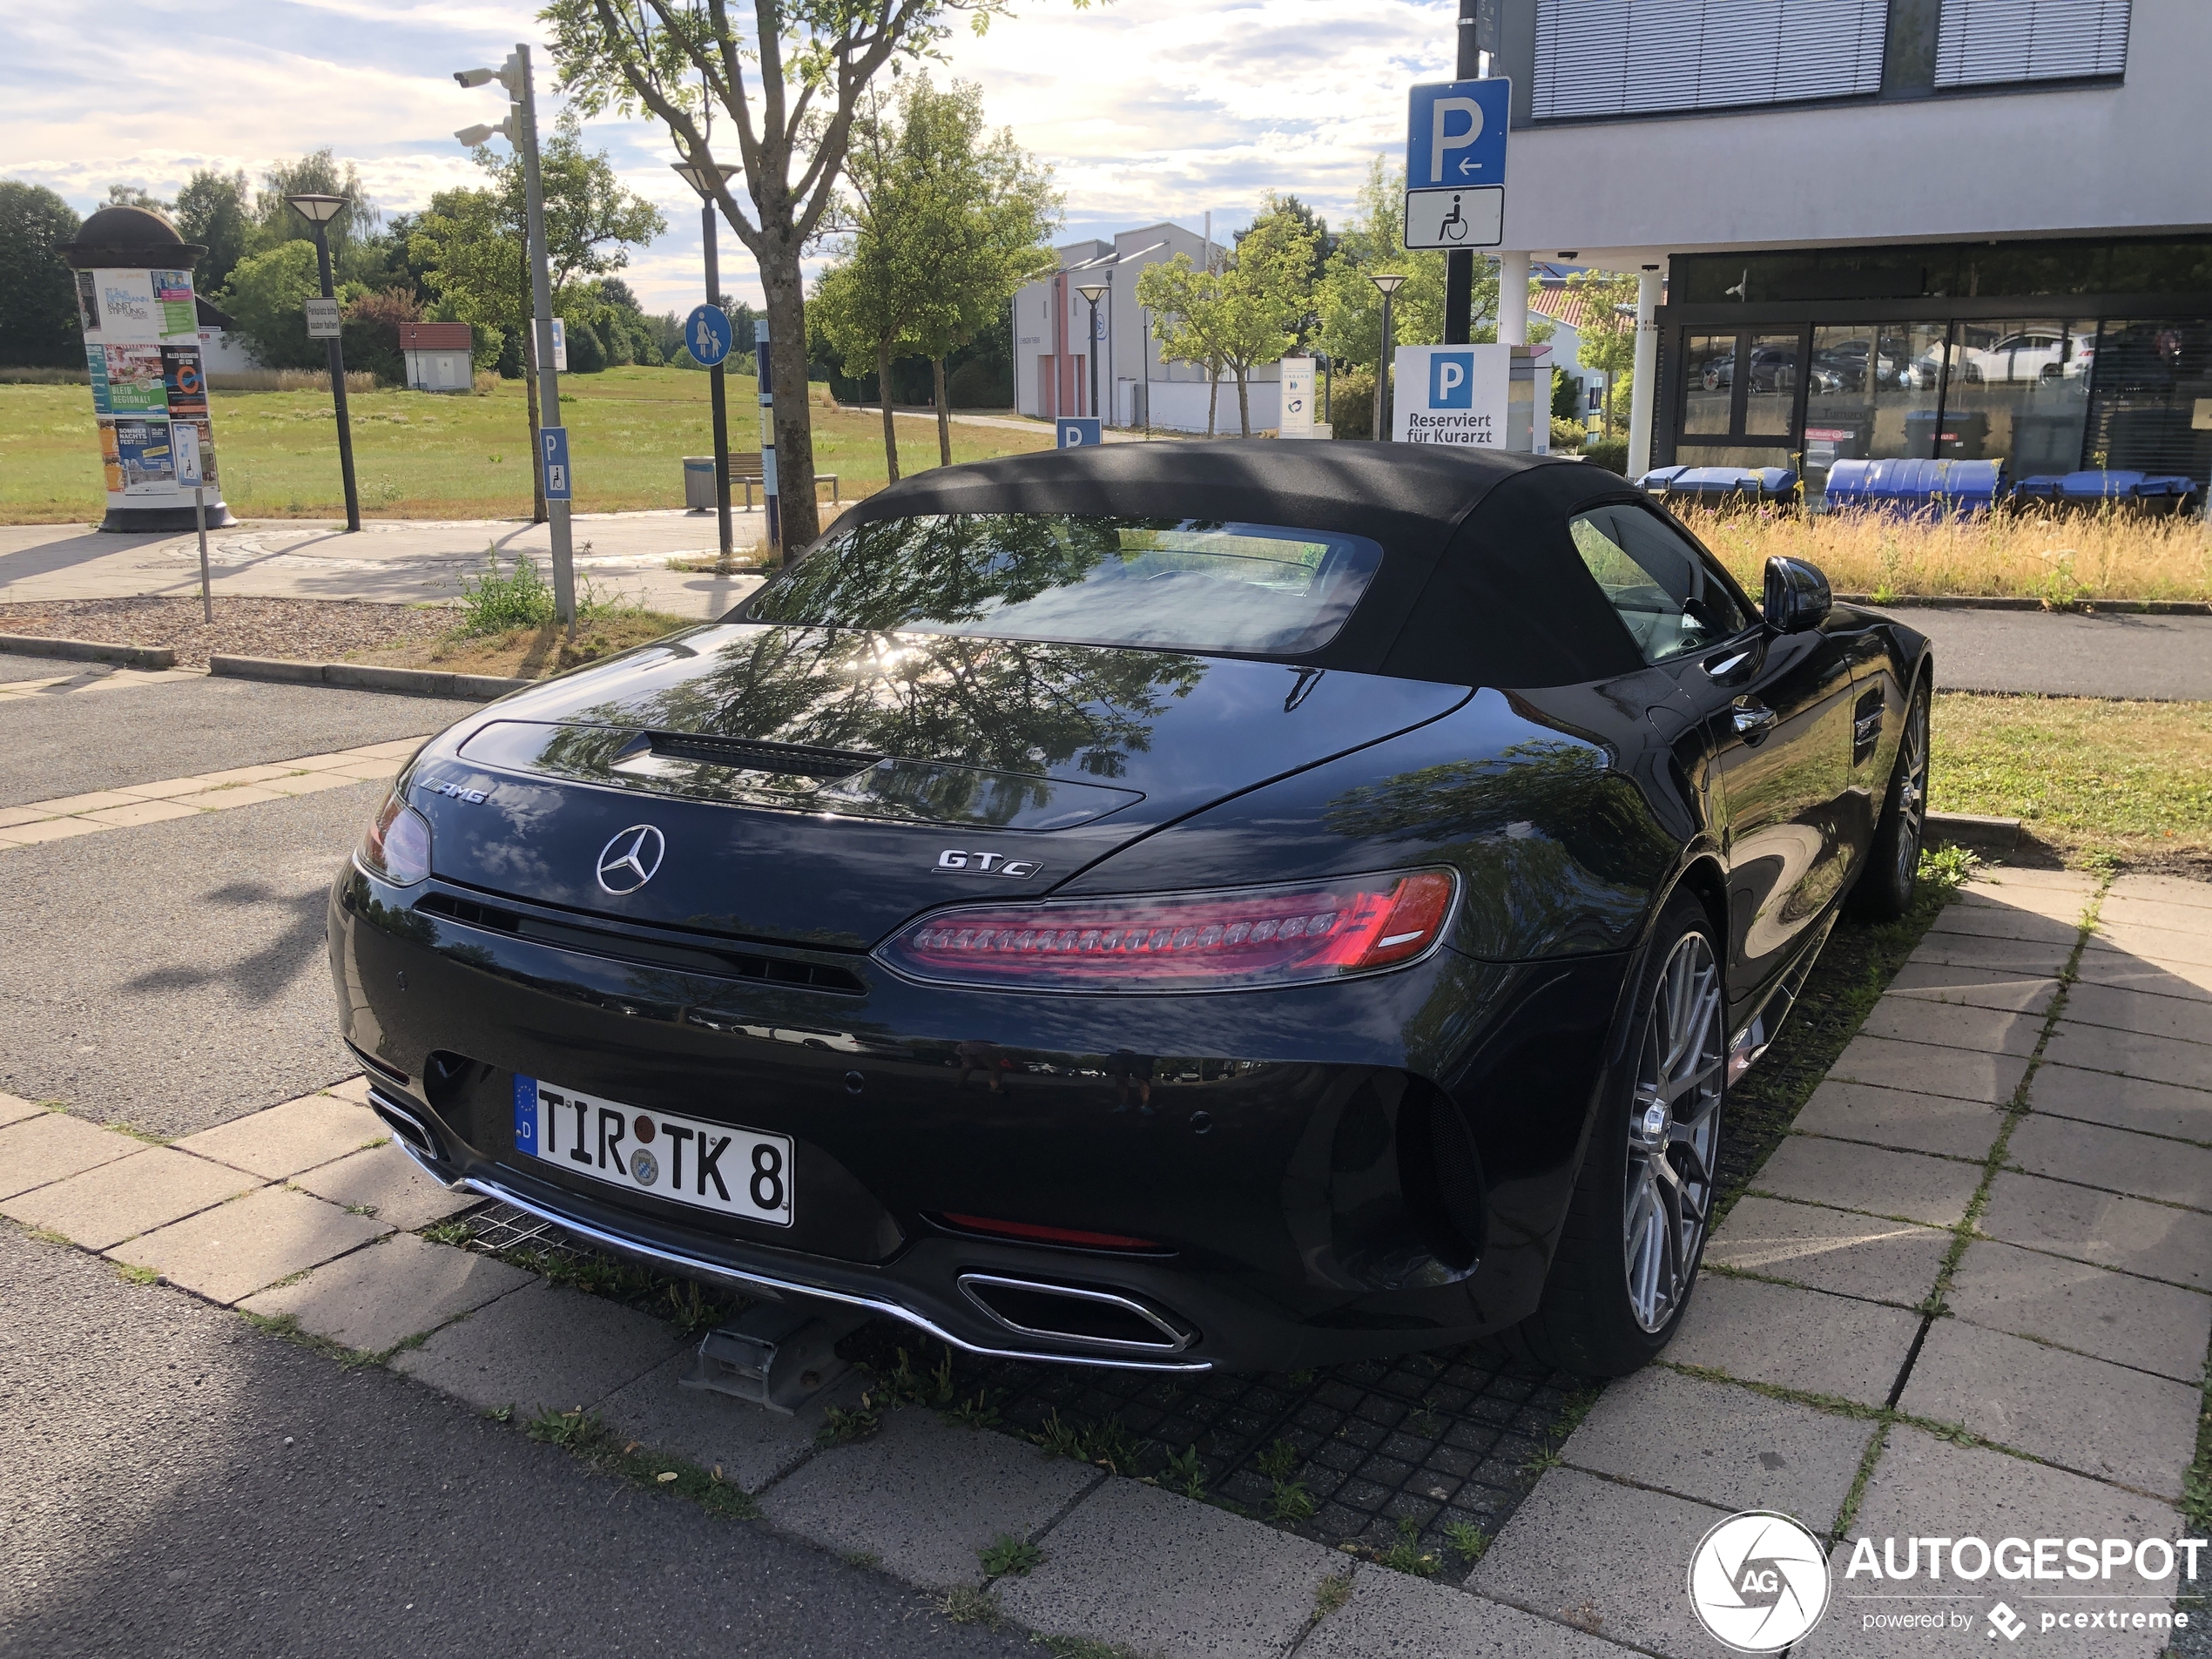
x=1758 y=1582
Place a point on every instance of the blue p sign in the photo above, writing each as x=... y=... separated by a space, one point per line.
x=1450 y=380
x=1078 y=434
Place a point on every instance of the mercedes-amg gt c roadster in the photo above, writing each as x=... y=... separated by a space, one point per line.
x=1247 y=905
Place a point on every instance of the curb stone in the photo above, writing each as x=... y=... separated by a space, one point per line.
x=360 y=677
x=89 y=650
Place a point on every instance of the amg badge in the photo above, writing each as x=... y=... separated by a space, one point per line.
x=987 y=864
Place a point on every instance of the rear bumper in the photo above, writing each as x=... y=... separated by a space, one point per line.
x=1275 y=1143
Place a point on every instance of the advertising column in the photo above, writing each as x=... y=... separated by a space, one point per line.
x=134 y=295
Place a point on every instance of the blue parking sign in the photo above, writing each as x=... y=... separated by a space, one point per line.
x=553 y=445
x=1078 y=434
x=1455 y=133
x=706 y=335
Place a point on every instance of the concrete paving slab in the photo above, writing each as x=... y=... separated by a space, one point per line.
x=116 y=1201
x=1395 y=1615
x=926 y=1499
x=2182 y=1017
x=1929 y=1488
x=2160 y=944
x=2119 y=969
x=1981 y=987
x=1721 y=1444
x=384 y=1182
x=2154 y=1240
x=1542 y=1562
x=2133 y=1054
x=142 y=812
x=541 y=1348
x=1830 y=1250
x=750 y=1444
x=2161 y=889
x=48 y=1146
x=2120 y=910
x=287 y=1139
x=2126 y=1102
x=2001 y=878
x=227 y=1253
x=1770 y=1333
x=2118 y=1160
x=1151 y=1570
x=14 y=1109
x=2066 y=904
x=398 y=1287
x=1919 y=1188
x=2114 y=1316
x=51 y=829
x=2008 y=956
x=2006 y=921
x=1965 y=1129
x=355 y=1089
x=2099 y=1420
x=1956 y=1072
x=1986 y=1030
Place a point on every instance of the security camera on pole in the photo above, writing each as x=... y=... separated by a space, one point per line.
x=520 y=128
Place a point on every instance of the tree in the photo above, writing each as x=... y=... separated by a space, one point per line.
x=1608 y=337
x=266 y=295
x=1186 y=304
x=1324 y=245
x=591 y=221
x=38 y=321
x=1239 y=318
x=135 y=196
x=352 y=235
x=1374 y=242
x=211 y=210
x=789 y=80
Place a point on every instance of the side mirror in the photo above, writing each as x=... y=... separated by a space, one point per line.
x=1796 y=596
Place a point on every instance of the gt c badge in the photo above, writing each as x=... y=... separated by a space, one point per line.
x=987 y=864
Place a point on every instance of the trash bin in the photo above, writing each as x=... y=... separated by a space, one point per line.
x=698 y=483
x=1909 y=487
x=2135 y=492
x=1720 y=486
x=1965 y=433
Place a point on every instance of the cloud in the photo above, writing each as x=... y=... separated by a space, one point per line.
x=1146 y=108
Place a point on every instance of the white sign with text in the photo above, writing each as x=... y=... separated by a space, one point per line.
x=1453 y=394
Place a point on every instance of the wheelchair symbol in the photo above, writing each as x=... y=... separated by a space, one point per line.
x=1455 y=225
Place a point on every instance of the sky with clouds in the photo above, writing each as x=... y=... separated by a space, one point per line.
x=1146 y=108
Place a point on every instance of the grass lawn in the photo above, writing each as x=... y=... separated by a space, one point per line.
x=2089 y=778
x=423 y=455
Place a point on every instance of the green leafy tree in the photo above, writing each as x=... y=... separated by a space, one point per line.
x=353 y=235
x=1608 y=337
x=1185 y=303
x=38 y=321
x=266 y=295
x=212 y=209
x=1266 y=297
x=788 y=79
x=1372 y=242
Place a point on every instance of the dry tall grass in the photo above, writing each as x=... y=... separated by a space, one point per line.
x=18 y=375
x=286 y=380
x=2062 y=559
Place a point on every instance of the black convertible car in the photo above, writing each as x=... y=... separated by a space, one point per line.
x=1243 y=904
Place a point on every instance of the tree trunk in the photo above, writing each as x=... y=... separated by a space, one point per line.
x=883 y=398
x=781 y=282
x=1608 y=422
x=944 y=415
x=1213 y=397
x=1244 y=405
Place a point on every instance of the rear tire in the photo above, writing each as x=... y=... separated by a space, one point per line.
x=1634 y=1231
x=1884 y=891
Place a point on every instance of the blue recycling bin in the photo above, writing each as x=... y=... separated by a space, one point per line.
x=1936 y=487
x=1719 y=487
x=2097 y=487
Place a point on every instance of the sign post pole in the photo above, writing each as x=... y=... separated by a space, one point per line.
x=548 y=377
x=185 y=441
x=771 y=508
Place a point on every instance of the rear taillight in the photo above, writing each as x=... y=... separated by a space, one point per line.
x=1225 y=940
x=397 y=845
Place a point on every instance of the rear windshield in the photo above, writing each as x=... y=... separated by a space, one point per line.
x=1176 y=583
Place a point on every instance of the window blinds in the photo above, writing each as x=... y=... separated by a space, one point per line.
x=1646 y=56
x=1992 y=42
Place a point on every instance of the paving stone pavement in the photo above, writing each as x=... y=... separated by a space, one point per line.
x=2067 y=1226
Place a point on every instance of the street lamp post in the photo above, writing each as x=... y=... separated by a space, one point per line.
x=696 y=176
x=1389 y=284
x=1094 y=291
x=318 y=211
x=520 y=128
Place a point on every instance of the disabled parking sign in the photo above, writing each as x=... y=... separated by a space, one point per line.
x=1078 y=434
x=1455 y=163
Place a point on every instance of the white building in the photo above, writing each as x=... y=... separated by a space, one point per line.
x=437 y=355
x=1882 y=227
x=1053 y=345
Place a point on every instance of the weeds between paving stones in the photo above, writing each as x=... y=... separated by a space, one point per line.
x=585 y=1435
x=1008 y=1553
x=1291 y=1503
x=1331 y=1593
x=1470 y=1543
x=964 y=1604
x=841 y=1425
x=1185 y=1472
x=1090 y=1647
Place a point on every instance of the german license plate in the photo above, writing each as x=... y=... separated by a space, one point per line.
x=709 y=1166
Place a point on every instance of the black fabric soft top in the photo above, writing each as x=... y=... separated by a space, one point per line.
x=1480 y=584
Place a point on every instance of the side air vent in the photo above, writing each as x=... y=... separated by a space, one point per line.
x=790 y=760
x=664 y=951
x=1100 y=1319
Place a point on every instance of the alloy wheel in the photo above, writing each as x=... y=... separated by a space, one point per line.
x=1912 y=793
x=1674 y=1132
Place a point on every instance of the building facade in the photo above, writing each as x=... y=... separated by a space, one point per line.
x=1055 y=343
x=1882 y=227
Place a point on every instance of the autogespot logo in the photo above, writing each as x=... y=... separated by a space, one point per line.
x=1758 y=1582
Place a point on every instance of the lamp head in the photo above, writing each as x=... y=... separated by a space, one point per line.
x=1388 y=281
x=318 y=209
x=700 y=177
x=1092 y=291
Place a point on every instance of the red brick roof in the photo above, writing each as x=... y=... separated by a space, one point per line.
x=1563 y=304
x=436 y=336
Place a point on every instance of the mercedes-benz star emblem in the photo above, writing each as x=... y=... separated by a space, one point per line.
x=632 y=859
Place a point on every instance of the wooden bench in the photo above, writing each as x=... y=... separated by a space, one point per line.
x=744 y=467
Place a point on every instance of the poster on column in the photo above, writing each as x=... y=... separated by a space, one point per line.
x=176 y=316
x=146 y=369
x=135 y=382
x=142 y=448
x=111 y=457
x=183 y=383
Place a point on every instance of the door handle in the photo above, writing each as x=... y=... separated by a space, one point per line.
x=1751 y=718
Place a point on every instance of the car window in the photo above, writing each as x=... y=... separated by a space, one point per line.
x=1662 y=585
